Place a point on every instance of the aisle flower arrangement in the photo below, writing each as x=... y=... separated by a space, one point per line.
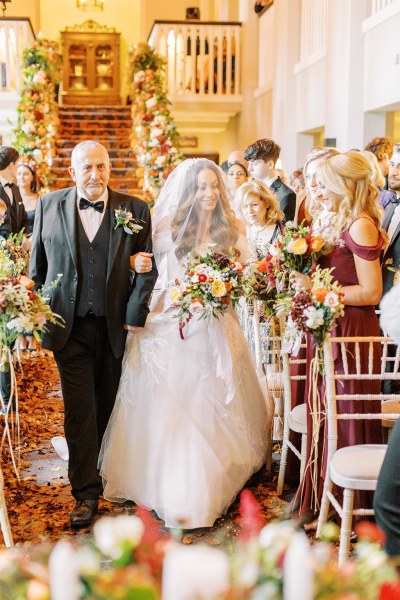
x=130 y=558
x=35 y=134
x=155 y=139
x=312 y=310
x=210 y=284
x=295 y=250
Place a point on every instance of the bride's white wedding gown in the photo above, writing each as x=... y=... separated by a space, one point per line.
x=189 y=424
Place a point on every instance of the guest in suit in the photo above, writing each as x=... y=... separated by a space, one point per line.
x=14 y=220
x=391 y=222
x=16 y=217
x=391 y=256
x=262 y=157
x=382 y=147
x=387 y=494
x=76 y=234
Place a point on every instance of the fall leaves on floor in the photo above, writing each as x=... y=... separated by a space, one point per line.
x=40 y=503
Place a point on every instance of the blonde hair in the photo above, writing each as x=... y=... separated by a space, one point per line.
x=349 y=175
x=318 y=153
x=257 y=187
x=376 y=173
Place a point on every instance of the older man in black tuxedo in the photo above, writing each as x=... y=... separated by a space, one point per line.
x=76 y=234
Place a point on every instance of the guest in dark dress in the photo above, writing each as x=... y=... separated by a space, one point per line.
x=28 y=185
x=344 y=186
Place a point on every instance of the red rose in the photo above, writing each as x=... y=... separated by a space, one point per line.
x=202 y=278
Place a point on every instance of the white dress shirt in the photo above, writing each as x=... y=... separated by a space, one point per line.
x=91 y=219
x=7 y=189
x=269 y=182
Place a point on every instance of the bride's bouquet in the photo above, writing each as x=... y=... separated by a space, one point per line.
x=210 y=284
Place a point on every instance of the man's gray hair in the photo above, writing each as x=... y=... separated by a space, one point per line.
x=82 y=146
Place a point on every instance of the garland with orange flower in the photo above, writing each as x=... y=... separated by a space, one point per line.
x=154 y=135
x=35 y=134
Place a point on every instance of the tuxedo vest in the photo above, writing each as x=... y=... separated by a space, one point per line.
x=92 y=268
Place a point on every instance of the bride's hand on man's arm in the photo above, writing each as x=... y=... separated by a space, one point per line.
x=141 y=262
x=132 y=328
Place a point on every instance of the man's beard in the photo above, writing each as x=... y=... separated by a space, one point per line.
x=394 y=184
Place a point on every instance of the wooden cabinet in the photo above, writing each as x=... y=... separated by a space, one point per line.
x=91 y=69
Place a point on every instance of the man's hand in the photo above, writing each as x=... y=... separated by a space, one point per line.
x=132 y=328
x=141 y=262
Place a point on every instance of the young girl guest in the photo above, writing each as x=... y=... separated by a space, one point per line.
x=344 y=187
x=260 y=210
x=28 y=184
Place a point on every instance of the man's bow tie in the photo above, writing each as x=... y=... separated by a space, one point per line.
x=99 y=206
x=8 y=185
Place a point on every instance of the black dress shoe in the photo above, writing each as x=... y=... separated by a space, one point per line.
x=83 y=513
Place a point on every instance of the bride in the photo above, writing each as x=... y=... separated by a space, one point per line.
x=189 y=423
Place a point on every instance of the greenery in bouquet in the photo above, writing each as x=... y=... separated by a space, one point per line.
x=259 y=283
x=296 y=249
x=312 y=310
x=210 y=284
x=14 y=257
x=154 y=135
x=22 y=311
x=35 y=134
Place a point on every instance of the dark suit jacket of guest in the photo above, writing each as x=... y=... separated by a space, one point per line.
x=286 y=197
x=20 y=220
x=392 y=254
x=54 y=251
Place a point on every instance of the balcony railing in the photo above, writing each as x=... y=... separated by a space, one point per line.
x=314 y=22
x=15 y=36
x=378 y=5
x=203 y=58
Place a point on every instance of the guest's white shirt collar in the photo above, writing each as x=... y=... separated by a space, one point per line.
x=269 y=182
x=3 y=181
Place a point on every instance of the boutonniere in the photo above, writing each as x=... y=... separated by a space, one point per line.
x=391 y=267
x=125 y=219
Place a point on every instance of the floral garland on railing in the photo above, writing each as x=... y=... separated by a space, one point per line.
x=35 y=134
x=154 y=135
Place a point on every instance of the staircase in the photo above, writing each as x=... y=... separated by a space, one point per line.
x=109 y=125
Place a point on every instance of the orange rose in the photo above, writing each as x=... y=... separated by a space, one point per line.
x=319 y=294
x=261 y=266
x=228 y=286
x=25 y=281
x=316 y=244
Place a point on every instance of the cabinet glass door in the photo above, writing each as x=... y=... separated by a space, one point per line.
x=104 y=67
x=78 y=67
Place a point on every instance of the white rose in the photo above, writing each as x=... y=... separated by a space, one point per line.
x=315 y=317
x=111 y=532
x=139 y=77
x=196 y=308
x=28 y=127
x=160 y=160
x=37 y=155
x=331 y=300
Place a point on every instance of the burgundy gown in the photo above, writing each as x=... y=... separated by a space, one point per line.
x=356 y=321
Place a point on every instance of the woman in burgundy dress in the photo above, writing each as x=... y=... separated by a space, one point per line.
x=344 y=186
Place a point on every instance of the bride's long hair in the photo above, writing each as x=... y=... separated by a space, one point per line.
x=222 y=229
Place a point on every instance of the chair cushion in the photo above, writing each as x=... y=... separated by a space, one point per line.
x=297 y=419
x=357 y=467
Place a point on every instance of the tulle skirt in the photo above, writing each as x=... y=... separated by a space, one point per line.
x=189 y=424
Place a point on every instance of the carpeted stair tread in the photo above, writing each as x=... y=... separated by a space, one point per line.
x=111 y=126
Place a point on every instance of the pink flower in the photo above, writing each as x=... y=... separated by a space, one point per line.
x=332 y=300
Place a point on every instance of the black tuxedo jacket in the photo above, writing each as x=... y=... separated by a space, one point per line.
x=15 y=220
x=54 y=251
x=286 y=197
x=392 y=254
